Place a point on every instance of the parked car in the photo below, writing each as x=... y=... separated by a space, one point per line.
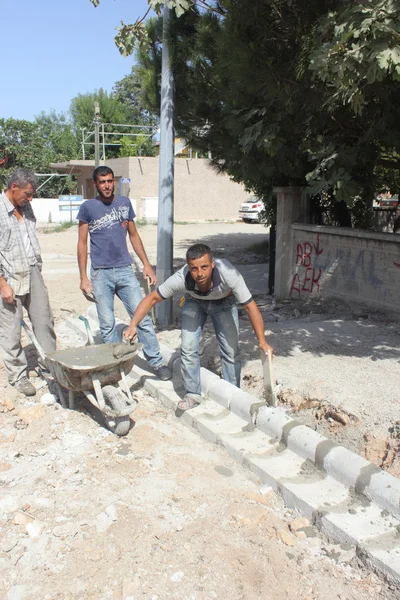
x=250 y=210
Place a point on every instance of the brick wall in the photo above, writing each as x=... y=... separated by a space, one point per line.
x=346 y=263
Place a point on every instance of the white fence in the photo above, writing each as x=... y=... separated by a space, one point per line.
x=47 y=210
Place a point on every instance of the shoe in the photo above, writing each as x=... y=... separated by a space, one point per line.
x=24 y=386
x=163 y=373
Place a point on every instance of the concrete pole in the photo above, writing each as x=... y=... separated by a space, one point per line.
x=165 y=227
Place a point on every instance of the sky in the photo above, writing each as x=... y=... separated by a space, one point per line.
x=53 y=50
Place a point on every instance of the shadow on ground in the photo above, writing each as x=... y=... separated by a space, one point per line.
x=249 y=247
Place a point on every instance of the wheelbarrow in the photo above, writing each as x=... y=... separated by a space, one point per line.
x=99 y=371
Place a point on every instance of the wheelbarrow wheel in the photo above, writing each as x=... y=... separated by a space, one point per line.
x=116 y=399
x=118 y=425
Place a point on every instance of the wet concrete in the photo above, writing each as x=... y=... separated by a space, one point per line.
x=91 y=357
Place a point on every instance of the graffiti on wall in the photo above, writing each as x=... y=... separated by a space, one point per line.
x=339 y=264
x=308 y=280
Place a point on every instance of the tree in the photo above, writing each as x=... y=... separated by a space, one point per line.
x=119 y=108
x=283 y=92
x=129 y=92
x=82 y=110
x=58 y=135
x=140 y=145
x=34 y=145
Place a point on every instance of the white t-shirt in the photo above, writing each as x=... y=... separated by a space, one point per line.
x=226 y=279
x=30 y=255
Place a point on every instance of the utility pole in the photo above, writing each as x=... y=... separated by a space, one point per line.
x=165 y=224
x=96 y=134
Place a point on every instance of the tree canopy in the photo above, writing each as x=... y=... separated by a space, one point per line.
x=34 y=145
x=283 y=91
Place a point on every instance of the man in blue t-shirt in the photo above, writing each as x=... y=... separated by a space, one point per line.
x=108 y=219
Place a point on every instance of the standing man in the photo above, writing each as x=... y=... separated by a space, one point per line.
x=108 y=219
x=21 y=281
x=212 y=288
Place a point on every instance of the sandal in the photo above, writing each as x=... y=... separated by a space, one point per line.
x=188 y=402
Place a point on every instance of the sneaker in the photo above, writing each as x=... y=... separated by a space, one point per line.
x=163 y=372
x=24 y=386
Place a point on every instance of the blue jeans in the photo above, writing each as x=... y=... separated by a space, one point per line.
x=122 y=282
x=224 y=315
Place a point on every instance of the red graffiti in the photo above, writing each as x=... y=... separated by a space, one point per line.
x=308 y=280
x=396 y=264
x=317 y=249
x=303 y=255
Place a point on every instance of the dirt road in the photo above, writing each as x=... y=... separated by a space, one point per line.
x=161 y=513
x=337 y=366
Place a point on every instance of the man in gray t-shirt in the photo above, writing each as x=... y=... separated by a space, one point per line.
x=212 y=288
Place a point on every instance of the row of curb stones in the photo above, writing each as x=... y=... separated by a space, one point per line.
x=347 y=498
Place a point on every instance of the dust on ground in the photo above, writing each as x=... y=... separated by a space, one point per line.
x=158 y=514
x=162 y=513
x=336 y=365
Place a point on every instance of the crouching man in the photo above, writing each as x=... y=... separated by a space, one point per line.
x=212 y=288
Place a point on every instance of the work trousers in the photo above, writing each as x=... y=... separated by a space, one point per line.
x=37 y=305
x=224 y=316
x=122 y=282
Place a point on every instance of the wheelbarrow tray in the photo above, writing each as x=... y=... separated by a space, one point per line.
x=74 y=368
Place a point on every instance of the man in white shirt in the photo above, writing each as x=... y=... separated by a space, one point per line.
x=21 y=281
x=212 y=288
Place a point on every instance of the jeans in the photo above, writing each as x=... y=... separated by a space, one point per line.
x=122 y=282
x=37 y=305
x=224 y=315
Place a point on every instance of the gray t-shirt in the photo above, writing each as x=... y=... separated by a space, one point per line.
x=226 y=279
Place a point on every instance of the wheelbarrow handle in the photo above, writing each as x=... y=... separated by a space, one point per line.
x=34 y=340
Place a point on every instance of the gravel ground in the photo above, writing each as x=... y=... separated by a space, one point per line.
x=328 y=354
x=162 y=513
x=159 y=514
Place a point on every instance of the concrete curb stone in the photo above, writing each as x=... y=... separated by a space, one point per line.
x=346 y=497
x=347 y=467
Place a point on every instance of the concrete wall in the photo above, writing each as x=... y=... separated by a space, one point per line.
x=351 y=264
x=47 y=210
x=201 y=194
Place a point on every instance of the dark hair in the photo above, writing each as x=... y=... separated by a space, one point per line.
x=197 y=251
x=22 y=177
x=103 y=170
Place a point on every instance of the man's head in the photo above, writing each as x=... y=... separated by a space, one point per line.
x=21 y=187
x=201 y=263
x=103 y=178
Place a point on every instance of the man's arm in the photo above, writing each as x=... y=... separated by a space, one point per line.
x=142 y=310
x=257 y=323
x=86 y=286
x=6 y=291
x=138 y=247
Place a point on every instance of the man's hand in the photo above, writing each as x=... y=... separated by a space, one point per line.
x=130 y=333
x=148 y=273
x=86 y=286
x=7 y=293
x=265 y=347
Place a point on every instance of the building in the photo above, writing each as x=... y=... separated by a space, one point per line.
x=201 y=194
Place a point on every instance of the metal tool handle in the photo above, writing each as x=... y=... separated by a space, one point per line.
x=34 y=340
x=269 y=391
